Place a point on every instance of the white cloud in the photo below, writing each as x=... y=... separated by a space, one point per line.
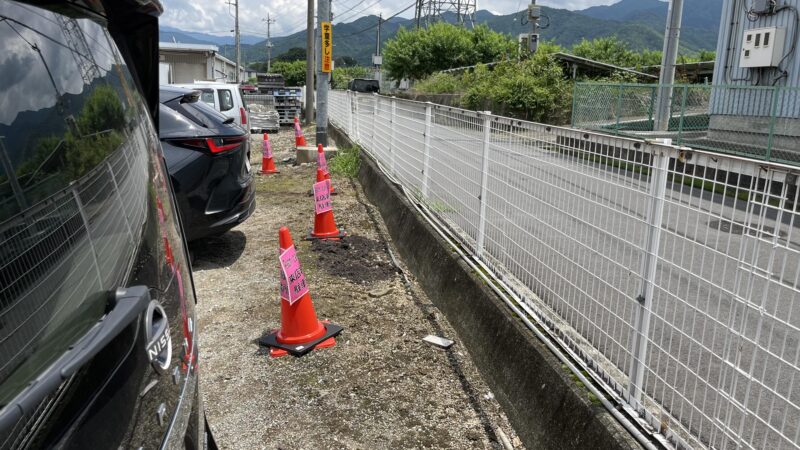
x=216 y=17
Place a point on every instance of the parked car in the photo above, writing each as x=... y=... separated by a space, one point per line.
x=225 y=98
x=97 y=327
x=363 y=85
x=208 y=158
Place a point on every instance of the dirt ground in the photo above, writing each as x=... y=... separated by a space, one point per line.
x=381 y=386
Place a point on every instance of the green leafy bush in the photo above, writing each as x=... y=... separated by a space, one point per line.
x=534 y=89
x=440 y=83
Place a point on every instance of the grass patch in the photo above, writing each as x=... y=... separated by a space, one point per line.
x=440 y=207
x=346 y=162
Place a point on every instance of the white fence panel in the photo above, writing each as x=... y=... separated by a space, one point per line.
x=673 y=275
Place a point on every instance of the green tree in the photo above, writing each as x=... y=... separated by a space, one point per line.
x=293 y=72
x=415 y=54
x=609 y=50
x=343 y=75
x=649 y=58
x=345 y=61
x=293 y=54
x=101 y=112
x=707 y=55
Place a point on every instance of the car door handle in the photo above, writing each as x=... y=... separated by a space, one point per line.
x=125 y=306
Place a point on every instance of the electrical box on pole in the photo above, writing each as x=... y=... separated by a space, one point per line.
x=530 y=41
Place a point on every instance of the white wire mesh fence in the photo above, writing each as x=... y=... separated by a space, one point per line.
x=671 y=275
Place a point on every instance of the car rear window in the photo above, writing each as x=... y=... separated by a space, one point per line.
x=225 y=100
x=72 y=161
x=198 y=112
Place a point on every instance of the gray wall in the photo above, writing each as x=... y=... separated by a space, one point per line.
x=186 y=67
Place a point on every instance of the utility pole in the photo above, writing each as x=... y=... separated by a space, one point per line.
x=269 y=42
x=377 y=60
x=235 y=3
x=310 y=63
x=378 y=36
x=323 y=15
x=238 y=49
x=668 y=59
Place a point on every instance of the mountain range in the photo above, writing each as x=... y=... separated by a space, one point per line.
x=639 y=23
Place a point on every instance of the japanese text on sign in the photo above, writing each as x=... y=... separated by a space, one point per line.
x=322 y=196
x=327 y=46
x=293 y=281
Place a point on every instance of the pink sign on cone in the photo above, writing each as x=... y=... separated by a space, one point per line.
x=322 y=197
x=293 y=280
x=267 y=150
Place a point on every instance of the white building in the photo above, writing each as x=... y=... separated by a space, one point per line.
x=186 y=63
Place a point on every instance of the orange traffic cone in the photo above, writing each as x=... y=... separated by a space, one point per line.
x=299 y=139
x=267 y=162
x=322 y=163
x=300 y=331
x=324 y=224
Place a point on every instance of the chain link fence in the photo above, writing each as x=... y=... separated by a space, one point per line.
x=751 y=121
x=674 y=282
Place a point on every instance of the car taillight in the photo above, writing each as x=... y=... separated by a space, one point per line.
x=244 y=115
x=214 y=145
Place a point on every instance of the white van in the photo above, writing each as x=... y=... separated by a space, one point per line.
x=225 y=98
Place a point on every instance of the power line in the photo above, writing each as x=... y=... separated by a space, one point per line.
x=352 y=7
x=354 y=14
x=384 y=20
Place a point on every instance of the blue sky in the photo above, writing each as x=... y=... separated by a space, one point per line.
x=216 y=17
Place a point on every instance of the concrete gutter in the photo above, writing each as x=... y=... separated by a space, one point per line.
x=547 y=404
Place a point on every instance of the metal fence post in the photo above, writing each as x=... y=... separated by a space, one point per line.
x=374 y=117
x=619 y=109
x=392 y=136
x=350 y=130
x=641 y=330
x=487 y=136
x=427 y=150
x=683 y=113
x=89 y=236
x=358 y=121
x=772 y=120
x=574 y=102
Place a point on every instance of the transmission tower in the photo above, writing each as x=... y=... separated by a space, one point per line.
x=76 y=41
x=429 y=11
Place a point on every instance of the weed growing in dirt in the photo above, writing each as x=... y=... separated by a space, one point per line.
x=346 y=162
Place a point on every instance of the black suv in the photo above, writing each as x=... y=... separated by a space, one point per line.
x=208 y=159
x=97 y=326
x=364 y=85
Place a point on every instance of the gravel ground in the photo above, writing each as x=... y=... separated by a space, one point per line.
x=380 y=386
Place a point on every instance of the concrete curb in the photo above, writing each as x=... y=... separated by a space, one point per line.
x=543 y=402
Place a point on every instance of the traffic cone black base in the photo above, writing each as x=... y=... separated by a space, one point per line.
x=338 y=236
x=278 y=349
